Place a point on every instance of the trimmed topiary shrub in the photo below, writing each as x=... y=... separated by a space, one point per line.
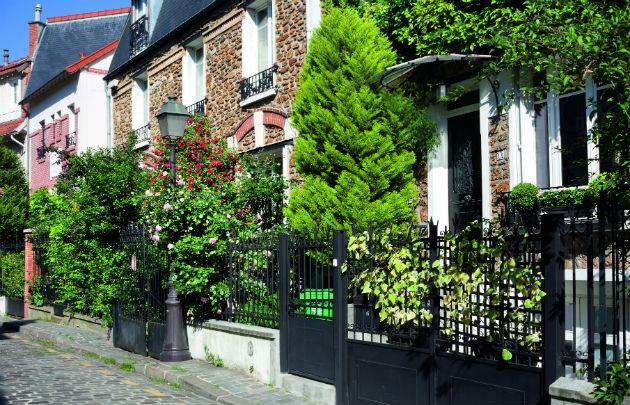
x=524 y=196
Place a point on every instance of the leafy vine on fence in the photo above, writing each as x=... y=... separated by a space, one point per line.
x=481 y=258
x=399 y=277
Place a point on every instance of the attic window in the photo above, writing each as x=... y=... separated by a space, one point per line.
x=140 y=28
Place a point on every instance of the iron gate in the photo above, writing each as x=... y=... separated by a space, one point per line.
x=440 y=361
x=307 y=315
x=139 y=318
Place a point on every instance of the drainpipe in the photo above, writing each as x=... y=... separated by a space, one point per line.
x=27 y=143
x=12 y=136
x=108 y=102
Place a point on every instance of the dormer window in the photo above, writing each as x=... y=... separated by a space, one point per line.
x=139 y=9
x=140 y=28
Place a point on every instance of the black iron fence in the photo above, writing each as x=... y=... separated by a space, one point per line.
x=11 y=263
x=12 y=276
x=258 y=83
x=253 y=279
x=139 y=316
x=596 y=280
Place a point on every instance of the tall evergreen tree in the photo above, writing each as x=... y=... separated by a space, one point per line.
x=359 y=145
x=13 y=194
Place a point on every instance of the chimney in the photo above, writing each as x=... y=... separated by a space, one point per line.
x=6 y=57
x=34 y=30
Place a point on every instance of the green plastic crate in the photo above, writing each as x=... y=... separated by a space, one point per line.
x=318 y=302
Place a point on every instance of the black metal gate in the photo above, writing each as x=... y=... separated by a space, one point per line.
x=442 y=361
x=139 y=317
x=307 y=316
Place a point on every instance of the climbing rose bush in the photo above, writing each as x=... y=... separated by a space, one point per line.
x=198 y=220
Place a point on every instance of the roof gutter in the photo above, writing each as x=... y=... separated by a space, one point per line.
x=156 y=45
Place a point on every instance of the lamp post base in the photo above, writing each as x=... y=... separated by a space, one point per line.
x=176 y=340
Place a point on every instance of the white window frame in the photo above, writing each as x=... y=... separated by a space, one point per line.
x=140 y=104
x=140 y=12
x=554 y=137
x=194 y=88
x=250 y=37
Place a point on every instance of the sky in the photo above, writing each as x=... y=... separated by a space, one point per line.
x=15 y=15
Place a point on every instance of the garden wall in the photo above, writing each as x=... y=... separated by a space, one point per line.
x=566 y=391
x=252 y=349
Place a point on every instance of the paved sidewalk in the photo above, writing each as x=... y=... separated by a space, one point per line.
x=226 y=386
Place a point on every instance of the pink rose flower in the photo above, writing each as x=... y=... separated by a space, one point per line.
x=167 y=207
x=155 y=238
x=158 y=228
x=213 y=241
x=228 y=216
x=170 y=246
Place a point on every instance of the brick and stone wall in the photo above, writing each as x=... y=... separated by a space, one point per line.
x=122 y=111
x=222 y=36
x=498 y=137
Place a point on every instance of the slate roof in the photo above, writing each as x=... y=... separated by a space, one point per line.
x=14 y=66
x=174 y=15
x=62 y=44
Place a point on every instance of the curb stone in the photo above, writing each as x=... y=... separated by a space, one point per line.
x=187 y=381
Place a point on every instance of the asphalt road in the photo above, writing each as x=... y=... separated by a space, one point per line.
x=37 y=373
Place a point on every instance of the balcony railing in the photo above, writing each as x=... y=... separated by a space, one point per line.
x=71 y=140
x=143 y=135
x=258 y=83
x=139 y=35
x=198 y=108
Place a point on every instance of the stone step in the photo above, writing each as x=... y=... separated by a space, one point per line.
x=316 y=391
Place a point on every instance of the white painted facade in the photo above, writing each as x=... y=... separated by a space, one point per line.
x=525 y=155
x=83 y=99
x=11 y=90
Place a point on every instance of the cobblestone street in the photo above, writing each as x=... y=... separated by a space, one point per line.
x=38 y=373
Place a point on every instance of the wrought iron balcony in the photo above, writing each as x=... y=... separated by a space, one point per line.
x=198 y=108
x=71 y=140
x=143 y=135
x=258 y=83
x=139 y=35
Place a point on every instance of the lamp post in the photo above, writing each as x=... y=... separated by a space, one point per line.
x=172 y=118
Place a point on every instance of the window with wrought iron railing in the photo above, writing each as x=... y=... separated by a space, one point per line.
x=139 y=35
x=71 y=139
x=143 y=135
x=258 y=84
x=198 y=108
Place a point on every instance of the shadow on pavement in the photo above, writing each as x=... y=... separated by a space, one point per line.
x=9 y=327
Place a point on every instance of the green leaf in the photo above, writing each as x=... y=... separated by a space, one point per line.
x=506 y=354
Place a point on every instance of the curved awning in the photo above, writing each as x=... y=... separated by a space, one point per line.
x=436 y=69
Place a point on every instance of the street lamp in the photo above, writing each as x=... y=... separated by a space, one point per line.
x=172 y=118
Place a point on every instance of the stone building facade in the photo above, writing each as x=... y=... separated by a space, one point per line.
x=251 y=121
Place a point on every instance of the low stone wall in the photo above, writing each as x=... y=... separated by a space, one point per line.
x=56 y=315
x=566 y=391
x=252 y=349
x=3 y=306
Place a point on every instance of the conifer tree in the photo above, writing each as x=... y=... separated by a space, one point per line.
x=13 y=195
x=358 y=144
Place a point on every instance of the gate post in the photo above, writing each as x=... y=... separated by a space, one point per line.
x=553 y=255
x=340 y=315
x=30 y=269
x=283 y=298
